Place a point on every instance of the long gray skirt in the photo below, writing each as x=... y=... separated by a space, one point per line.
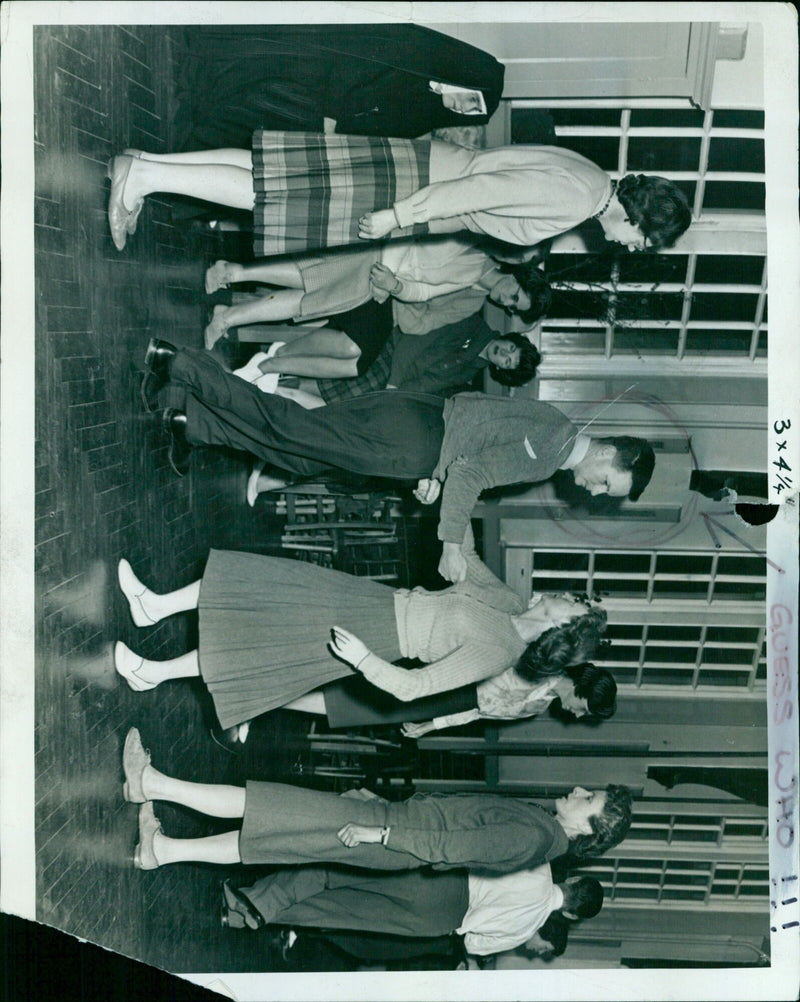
x=289 y=825
x=265 y=623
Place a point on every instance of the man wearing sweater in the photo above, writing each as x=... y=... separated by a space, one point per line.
x=469 y=443
x=493 y=913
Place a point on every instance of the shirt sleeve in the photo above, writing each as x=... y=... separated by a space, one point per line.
x=422 y=318
x=463 y=482
x=481 y=945
x=420 y=292
x=456 y=719
x=502 y=846
x=506 y=190
x=481 y=583
x=468 y=663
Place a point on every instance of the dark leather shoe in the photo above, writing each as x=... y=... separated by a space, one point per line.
x=237 y=912
x=159 y=356
x=180 y=450
x=158 y=359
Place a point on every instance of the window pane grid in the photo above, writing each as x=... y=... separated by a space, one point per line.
x=720 y=167
x=687 y=640
x=679 y=880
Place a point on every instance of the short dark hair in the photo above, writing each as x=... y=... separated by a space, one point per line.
x=532 y=280
x=529 y=359
x=555 y=931
x=609 y=827
x=657 y=206
x=561 y=646
x=596 y=686
x=583 y=896
x=634 y=456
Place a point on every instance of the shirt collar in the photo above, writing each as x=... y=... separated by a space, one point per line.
x=579 y=450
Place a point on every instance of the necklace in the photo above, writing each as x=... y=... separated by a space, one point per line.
x=597 y=215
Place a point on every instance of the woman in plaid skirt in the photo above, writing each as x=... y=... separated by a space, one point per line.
x=308 y=191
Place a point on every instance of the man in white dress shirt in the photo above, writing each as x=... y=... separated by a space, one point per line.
x=493 y=913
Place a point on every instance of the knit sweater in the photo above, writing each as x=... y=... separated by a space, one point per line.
x=435 y=266
x=424 y=318
x=491 y=442
x=521 y=194
x=499 y=834
x=465 y=632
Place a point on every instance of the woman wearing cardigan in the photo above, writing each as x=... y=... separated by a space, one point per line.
x=265 y=625
x=308 y=191
x=288 y=825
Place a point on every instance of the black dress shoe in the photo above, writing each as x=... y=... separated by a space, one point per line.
x=157 y=360
x=180 y=450
x=227 y=739
x=159 y=355
x=236 y=911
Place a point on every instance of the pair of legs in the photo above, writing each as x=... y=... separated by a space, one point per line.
x=223 y=176
x=215 y=800
x=317 y=354
x=148 y=608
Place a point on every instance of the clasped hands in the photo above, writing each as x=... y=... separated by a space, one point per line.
x=383 y=283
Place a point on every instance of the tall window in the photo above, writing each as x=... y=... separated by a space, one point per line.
x=710 y=301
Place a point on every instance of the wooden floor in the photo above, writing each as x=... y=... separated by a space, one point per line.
x=104 y=490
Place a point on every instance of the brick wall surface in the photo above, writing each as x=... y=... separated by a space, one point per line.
x=104 y=490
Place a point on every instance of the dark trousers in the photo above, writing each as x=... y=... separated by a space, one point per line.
x=387 y=434
x=419 y=903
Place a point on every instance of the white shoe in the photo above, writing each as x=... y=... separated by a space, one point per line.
x=273 y=348
x=216 y=277
x=134 y=590
x=267 y=382
x=250 y=373
x=128 y=665
x=252 y=483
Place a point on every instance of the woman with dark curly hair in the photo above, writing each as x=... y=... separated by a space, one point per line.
x=266 y=631
x=310 y=287
x=576 y=692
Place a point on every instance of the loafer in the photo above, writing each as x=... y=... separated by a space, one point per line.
x=144 y=856
x=120 y=218
x=157 y=360
x=135 y=759
x=180 y=450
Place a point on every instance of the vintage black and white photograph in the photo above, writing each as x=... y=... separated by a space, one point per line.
x=400 y=551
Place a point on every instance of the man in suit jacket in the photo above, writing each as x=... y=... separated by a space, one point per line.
x=470 y=442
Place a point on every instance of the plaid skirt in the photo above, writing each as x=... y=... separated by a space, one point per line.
x=375 y=378
x=311 y=189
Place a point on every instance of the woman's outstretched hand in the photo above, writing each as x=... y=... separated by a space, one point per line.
x=417 y=730
x=347 y=647
x=374 y=225
x=352 y=835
